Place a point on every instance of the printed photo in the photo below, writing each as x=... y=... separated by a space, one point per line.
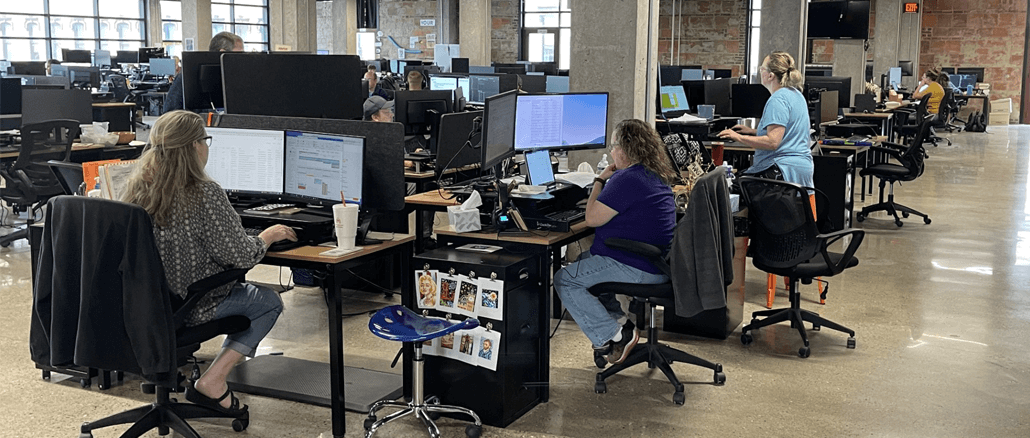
x=425 y=283
x=467 y=296
x=486 y=350
x=448 y=289
x=447 y=341
x=489 y=299
x=466 y=344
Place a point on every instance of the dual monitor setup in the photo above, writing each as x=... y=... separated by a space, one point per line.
x=728 y=98
x=477 y=87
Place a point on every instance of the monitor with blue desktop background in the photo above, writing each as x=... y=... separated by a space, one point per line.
x=247 y=161
x=102 y=58
x=319 y=168
x=162 y=67
x=557 y=84
x=561 y=121
x=541 y=173
x=498 y=129
x=894 y=77
x=474 y=69
x=673 y=98
x=692 y=74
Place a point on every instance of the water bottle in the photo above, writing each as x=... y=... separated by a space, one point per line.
x=729 y=173
x=603 y=164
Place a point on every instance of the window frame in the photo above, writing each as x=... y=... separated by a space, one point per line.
x=564 y=13
x=93 y=42
x=233 y=24
x=167 y=43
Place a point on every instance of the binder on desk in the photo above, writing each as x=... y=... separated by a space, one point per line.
x=114 y=177
x=91 y=170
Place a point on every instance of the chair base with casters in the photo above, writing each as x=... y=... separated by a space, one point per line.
x=163 y=414
x=797 y=317
x=647 y=297
x=892 y=208
x=398 y=323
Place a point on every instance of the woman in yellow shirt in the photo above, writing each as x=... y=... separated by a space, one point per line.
x=928 y=86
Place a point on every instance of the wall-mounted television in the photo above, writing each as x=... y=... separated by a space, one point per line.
x=839 y=19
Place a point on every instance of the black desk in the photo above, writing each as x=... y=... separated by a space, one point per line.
x=695 y=131
x=84 y=153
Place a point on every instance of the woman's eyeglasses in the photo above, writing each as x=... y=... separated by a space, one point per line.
x=206 y=140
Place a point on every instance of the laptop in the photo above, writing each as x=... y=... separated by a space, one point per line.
x=673 y=101
x=540 y=171
x=865 y=103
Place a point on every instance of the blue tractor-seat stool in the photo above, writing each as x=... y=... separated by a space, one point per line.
x=398 y=323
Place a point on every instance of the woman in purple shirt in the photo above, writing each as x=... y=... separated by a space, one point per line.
x=631 y=199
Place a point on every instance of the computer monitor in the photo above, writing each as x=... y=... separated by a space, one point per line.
x=894 y=77
x=442 y=82
x=673 y=98
x=125 y=57
x=978 y=72
x=498 y=129
x=83 y=76
x=557 y=84
x=692 y=74
x=145 y=53
x=717 y=92
x=77 y=56
x=459 y=65
x=293 y=85
x=247 y=161
x=162 y=66
x=479 y=69
x=58 y=70
x=320 y=168
x=38 y=105
x=452 y=142
x=670 y=74
x=202 y=80
x=102 y=58
x=482 y=87
x=541 y=173
x=842 y=84
x=509 y=68
x=37 y=68
x=567 y=121
x=906 y=67
x=828 y=106
x=695 y=91
x=532 y=83
x=547 y=68
x=411 y=107
x=721 y=73
x=748 y=100
x=10 y=104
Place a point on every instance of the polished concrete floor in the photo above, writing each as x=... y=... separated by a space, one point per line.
x=941 y=310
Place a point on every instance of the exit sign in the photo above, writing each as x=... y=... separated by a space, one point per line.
x=911 y=8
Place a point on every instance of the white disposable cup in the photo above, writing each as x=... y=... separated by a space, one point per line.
x=345 y=217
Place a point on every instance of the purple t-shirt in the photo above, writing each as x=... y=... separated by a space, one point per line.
x=647 y=213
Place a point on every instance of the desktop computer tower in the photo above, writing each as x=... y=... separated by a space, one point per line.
x=835 y=176
x=502 y=396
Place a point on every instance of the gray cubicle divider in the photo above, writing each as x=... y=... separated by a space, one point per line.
x=384 y=144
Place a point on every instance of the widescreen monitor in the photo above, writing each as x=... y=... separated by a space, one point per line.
x=162 y=66
x=482 y=87
x=717 y=92
x=673 y=98
x=323 y=168
x=541 y=173
x=748 y=100
x=498 y=129
x=145 y=53
x=202 y=80
x=457 y=141
x=561 y=121
x=459 y=65
x=102 y=58
x=670 y=74
x=842 y=84
x=254 y=84
x=246 y=161
x=692 y=74
x=838 y=19
x=84 y=76
x=474 y=69
x=126 y=57
x=76 y=56
x=412 y=108
x=557 y=84
x=36 y=68
x=442 y=82
x=509 y=68
x=39 y=105
x=533 y=83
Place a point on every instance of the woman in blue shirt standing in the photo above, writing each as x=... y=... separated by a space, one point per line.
x=781 y=141
x=631 y=199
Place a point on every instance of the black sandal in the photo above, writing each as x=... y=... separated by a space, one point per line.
x=196 y=397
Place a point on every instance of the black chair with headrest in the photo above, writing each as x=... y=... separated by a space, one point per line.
x=29 y=180
x=910 y=166
x=101 y=300
x=785 y=240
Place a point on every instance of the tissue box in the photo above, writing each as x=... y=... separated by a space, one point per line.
x=463 y=221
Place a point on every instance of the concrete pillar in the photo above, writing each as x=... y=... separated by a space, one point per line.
x=474 y=16
x=447 y=22
x=196 y=23
x=909 y=32
x=345 y=27
x=887 y=32
x=615 y=49
x=293 y=23
x=784 y=28
x=155 y=37
x=849 y=61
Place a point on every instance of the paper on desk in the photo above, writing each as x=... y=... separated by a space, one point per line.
x=582 y=179
x=687 y=118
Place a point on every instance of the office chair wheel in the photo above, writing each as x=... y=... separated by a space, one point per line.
x=860 y=217
x=369 y=422
x=926 y=220
x=46 y=375
x=720 y=378
x=473 y=431
x=5 y=244
x=600 y=387
x=240 y=424
x=804 y=352
x=851 y=342
x=746 y=339
x=86 y=435
x=599 y=360
x=679 y=398
x=85 y=383
x=904 y=214
x=816 y=327
x=898 y=223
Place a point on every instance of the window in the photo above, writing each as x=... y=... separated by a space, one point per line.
x=171 y=27
x=37 y=30
x=367 y=45
x=546 y=32
x=246 y=18
x=754 y=28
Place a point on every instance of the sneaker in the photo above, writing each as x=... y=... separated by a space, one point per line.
x=621 y=349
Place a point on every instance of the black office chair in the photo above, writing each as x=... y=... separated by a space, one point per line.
x=69 y=175
x=948 y=111
x=785 y=240
x=910 y=166
x=29 y=180
x=86 y=319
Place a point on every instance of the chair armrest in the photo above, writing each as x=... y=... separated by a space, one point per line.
x=200 y=288
x=650 y=252
x=849 y=252
x=894 y=153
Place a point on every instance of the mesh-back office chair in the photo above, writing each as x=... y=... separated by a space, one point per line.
x=101 y=301
x=948 y=113
x=909 y=167
x=785 y=240
x=29 y=180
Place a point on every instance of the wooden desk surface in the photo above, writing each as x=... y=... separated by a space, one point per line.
x=311 y=253
x=534 y=237
x=408 y=173
x=432 y=198
x=113 y=104
x=75 y=147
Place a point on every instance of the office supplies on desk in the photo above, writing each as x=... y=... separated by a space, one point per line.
x=840 y=142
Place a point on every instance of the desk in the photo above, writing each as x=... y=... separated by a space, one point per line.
x=696 y=131
x=253 y=376
x=434 y=200
x=83 y=152
x=423 y=179
x=884 y=119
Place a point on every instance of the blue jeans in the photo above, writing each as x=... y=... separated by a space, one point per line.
x=598 y=317
x=261 y=304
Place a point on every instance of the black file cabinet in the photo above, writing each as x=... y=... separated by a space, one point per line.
x=521 y=379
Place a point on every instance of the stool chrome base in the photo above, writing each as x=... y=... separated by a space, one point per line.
x=419 y=406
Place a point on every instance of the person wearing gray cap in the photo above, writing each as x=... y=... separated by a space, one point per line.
x=378 y=109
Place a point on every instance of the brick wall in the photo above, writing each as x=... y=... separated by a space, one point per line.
x=400 y=20
x=987 y=33
x=710 y=33
x=505 y=37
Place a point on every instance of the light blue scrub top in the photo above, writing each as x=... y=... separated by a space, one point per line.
x=787 y=107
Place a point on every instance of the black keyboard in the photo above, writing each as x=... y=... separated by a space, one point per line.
x=567 y=215
x=282 y=245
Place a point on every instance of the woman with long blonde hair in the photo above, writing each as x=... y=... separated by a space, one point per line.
x=199 y=234
x=631 y=199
